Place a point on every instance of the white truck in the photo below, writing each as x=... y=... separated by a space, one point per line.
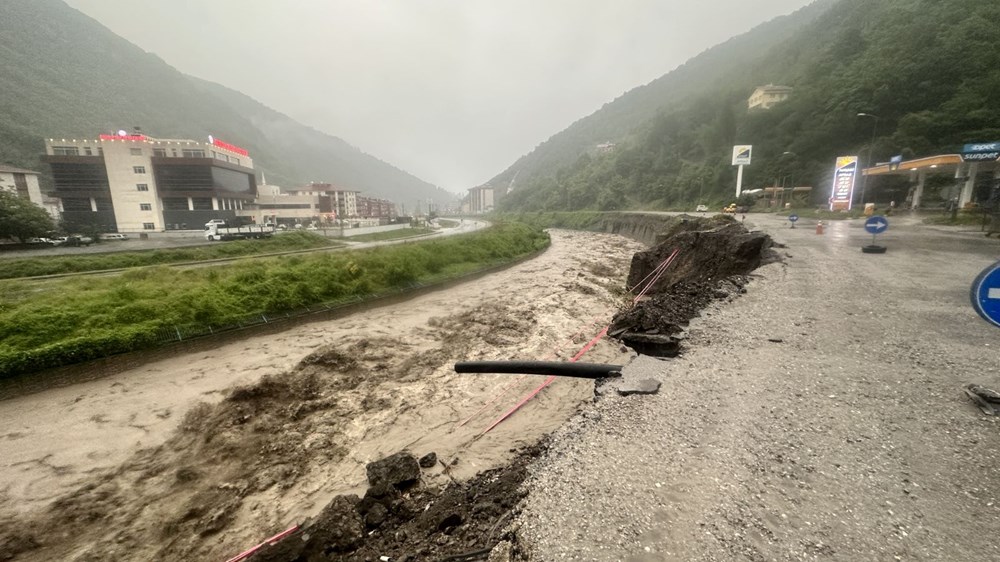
x=217 y=230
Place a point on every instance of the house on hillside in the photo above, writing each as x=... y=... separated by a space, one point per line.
x=766 y=97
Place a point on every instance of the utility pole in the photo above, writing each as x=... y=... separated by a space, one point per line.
x=871 y=148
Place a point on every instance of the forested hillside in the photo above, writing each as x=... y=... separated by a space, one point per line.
x=65 y=75
x=929 y=69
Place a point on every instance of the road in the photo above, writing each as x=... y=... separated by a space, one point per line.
x=185 y=239
x=818 y=417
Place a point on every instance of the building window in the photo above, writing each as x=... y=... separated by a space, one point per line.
x=139 y=169
x=145 y=207
x=193 y=153
x=87 y=151
x=148 y=226
x=161 y=152
x=66 y=150
x=135 y=151
x=142 y=187
x=235 y=161
x=201 y=203
x=100 y=151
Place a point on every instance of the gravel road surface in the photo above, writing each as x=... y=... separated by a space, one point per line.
x=820 y=416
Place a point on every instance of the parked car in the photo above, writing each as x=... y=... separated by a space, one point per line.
x=701 y=208
x=39 y=241
x=72 y=240
x=114 y=236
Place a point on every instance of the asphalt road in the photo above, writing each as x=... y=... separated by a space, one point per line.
x=197 y=238
x=820 y=416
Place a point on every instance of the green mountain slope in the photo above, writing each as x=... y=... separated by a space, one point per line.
x=614 y=122
x=65 y=75
x=929 y=69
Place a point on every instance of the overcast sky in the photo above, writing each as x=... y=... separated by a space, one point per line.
x=452 y=91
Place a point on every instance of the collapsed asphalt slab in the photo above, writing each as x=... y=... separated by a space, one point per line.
x=709 y=258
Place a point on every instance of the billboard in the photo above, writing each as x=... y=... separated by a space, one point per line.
x=983 y=151
x=741 y=154
x=843 y=183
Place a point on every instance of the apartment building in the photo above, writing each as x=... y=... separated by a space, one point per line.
x=340 y=201
x=481 y=199
x=135 y=183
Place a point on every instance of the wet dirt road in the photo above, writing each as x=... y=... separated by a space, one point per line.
x=818 y=417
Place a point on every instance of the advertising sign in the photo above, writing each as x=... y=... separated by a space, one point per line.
x=843 y=183
x=895 y=161
x=981 y=151
x=230 y=147
x=741 y=154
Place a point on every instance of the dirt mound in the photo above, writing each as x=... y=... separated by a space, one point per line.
x=424 y=523
x=713 y=260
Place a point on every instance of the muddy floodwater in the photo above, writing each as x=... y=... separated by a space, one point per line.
x=131 y=435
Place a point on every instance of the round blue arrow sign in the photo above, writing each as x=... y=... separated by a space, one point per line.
x=985 y=294
x=876 y=225
x=793 y=218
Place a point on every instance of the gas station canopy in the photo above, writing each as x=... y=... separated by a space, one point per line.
x=966 y=166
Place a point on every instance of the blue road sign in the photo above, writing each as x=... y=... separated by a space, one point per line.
x=876 y=225
x=793 y=218
x=985 y=294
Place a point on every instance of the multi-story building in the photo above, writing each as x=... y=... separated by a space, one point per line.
x=24 y=183
x=375 y=208
x=766 y=97
x=135 y=183
x=343 y=202
x=481 y=199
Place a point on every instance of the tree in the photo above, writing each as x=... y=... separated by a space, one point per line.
x=21 y=219
x=746 y=200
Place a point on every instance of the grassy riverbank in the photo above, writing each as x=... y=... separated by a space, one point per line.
x=60 y=322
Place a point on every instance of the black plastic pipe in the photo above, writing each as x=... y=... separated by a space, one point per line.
x=556 y=368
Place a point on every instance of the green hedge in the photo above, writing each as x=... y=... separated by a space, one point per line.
x=45 y=324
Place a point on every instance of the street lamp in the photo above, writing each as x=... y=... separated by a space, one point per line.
x=783 y=154
x=871 y=147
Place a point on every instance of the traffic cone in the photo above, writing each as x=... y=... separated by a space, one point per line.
x=819 y=227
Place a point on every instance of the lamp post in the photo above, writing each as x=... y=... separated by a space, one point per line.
x=871 y=147
x=783 y=154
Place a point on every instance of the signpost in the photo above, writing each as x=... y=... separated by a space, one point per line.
x=844 y=176
x=875 y=225
x=741 y=157
x=982 y=151
x=793 y=219
x=985 y=294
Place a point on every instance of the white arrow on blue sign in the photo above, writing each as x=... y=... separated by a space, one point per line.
x=793 y=218
x=876 y=225
x=985 y=294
